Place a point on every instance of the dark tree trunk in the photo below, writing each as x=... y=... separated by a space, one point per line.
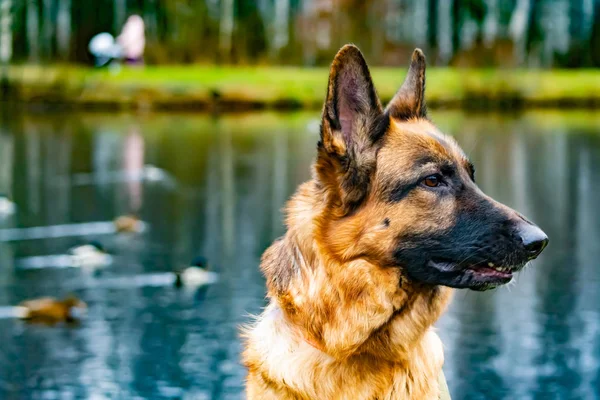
x=432 y=26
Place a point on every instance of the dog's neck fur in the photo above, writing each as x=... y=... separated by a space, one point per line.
x=317 y=293
x=332 y=321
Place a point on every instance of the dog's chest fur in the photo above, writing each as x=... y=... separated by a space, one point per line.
x=284 y=366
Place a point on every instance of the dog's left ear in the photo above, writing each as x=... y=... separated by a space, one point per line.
x=352 y=124
x=409 y=101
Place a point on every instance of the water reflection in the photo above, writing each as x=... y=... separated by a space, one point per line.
x=229 y=178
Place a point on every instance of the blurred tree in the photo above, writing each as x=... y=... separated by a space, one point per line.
x=63 y=28
x=579 y=31
x=432 y=26
x=595 y=36
x=33 y=30
x=457 y=23
x=282 y=20
x=555 y=36
x=120 y=14
x=248 y=19
x=6 y=45
x=226 y=29
x=150 y=14
x=534 y=36
x=491 y=23
x=470 y=32
x=445 y=27
x=47 y=29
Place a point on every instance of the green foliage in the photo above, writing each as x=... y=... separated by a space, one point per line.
x=204 y=86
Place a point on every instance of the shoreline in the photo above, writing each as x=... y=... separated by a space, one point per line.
x=234 y=89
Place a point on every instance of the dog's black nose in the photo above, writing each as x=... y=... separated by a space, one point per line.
x=534 y=239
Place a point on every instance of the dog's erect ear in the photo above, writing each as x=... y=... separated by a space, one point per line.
x=352 y=124
x=409 y=102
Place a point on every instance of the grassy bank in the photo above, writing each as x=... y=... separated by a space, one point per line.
x=237 y=88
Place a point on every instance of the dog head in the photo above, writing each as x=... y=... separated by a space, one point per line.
x=401 y=194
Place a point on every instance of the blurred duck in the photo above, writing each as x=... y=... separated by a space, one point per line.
x=91 y=255
x=7 y=207
x=128 y=224
x=197 y=274
x=51 y=310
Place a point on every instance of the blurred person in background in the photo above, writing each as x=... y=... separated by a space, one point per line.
x=132 y=40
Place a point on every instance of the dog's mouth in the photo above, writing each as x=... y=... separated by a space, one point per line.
x=479 y=276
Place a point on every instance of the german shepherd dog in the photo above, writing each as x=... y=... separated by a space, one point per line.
x=390 y=222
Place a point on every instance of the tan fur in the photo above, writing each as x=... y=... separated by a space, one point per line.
x=374 y=329
x=344 y=322
x=50 y=310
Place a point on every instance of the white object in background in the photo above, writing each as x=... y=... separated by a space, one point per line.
x=155 y=174
x=13 y=312
x=148 y=173
x=64 y=230
x=89 y=256
x=104 y=47
x=197 y=276
x=41 y=262
x=7 y=207
x=132 y=39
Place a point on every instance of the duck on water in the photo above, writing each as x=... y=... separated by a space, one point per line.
x=197 y=274
x=50 y=310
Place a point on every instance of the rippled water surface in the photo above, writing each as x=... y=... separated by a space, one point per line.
x=222 y=184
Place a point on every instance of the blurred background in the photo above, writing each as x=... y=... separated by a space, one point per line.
x=548 y=33
x=195 y=120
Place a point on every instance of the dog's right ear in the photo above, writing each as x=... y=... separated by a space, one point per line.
x=352 y=124
x=409 y=102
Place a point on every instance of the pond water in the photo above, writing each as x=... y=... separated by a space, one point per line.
x=222 y=185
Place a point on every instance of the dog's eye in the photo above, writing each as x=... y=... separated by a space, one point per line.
x=432 y=181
